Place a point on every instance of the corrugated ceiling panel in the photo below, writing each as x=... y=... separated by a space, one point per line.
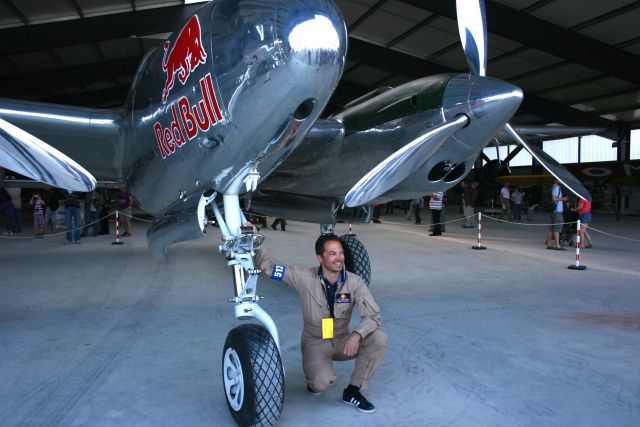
x=121 y=48
x=38 y=11
x=453 y=59
x=539 y=57
x=365 y=75
x=79 y=54
x=511 y=66
x=352 y=10
x=614 y=84
x=568 y=13
x=577 y=92
x=426 y=41
x=630 y=116
x=93 y=7
x=7 y=18
x=517 y=4
x=608 y=105
x=406 y=11
x=35 y=61
x=382 y=27
x=578 y=71
x=619 y=29
x=543 y=80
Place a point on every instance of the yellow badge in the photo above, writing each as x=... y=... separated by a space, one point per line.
x=327 y=328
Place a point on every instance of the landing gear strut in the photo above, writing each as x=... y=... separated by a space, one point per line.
x=252 y=370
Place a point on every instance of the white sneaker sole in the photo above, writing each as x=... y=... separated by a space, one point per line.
x=364 y=411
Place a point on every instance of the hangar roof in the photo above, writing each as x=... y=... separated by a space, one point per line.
x=577 y=61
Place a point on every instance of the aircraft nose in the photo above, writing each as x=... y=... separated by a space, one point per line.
x=494 y=97
x=315 y=39
x=489 y=104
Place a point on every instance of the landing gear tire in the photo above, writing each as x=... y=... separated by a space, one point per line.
x=356 y=257
x=252 y=376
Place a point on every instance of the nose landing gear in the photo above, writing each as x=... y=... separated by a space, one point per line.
x=252 y=371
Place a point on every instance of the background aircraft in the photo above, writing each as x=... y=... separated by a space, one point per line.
x=231 y=104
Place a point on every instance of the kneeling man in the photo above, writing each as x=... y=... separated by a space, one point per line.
x=327 y=296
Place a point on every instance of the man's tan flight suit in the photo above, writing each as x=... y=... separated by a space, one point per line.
x=317 y=353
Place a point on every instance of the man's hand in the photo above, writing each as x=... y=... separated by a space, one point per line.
x=352 y=344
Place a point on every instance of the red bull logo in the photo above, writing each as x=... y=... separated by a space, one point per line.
x=185 y=55
x=188 y=120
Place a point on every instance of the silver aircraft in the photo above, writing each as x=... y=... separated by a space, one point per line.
x=230 y=105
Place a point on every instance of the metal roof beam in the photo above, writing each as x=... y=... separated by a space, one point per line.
x=410 y=66
x=547 y=37
x=37 y=37
x=18 y=84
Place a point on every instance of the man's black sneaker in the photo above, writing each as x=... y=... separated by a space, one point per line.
x=357 y=400
x=311 y=392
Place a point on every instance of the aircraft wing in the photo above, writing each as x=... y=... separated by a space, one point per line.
x=27 y=155
x=539 y=133
x=37 y=138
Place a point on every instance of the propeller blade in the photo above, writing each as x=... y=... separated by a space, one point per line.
x=398 y=166
x=512 y=154
x=565 y=177
x=472 y=27
x=27 y=155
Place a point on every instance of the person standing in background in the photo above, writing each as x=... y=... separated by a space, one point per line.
x=469 y=195
x=417 y=204
x=516 y=197
x=16 y=198
x=92 y=204
x=435 y=204
x=50 y=197
x=125 y=205
x=505 y=195
x=584 y=210
x=72 y=217
x=38 y=214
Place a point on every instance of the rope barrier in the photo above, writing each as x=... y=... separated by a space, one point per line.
x=612 y=235
x=60 y=233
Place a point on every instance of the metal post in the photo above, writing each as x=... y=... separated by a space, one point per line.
x=479 y=246
x=117 y=242
x=577 y=266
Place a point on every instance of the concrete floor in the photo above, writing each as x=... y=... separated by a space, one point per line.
x=95 y=334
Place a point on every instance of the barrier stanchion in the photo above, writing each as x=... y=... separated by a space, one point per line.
x=117 y=242
x=577 y=265
x=479 y=245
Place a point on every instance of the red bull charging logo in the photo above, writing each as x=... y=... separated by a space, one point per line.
x=187 y=53
x=187 y=120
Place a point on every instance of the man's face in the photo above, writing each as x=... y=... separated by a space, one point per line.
x=332 y=259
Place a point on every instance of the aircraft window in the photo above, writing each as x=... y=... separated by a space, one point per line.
x=595 y=148
x=562 y=150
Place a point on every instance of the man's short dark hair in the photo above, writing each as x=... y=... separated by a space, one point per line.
x=323 y=239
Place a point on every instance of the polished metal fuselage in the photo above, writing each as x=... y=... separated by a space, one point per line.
x=234 y=90
x=270 y=67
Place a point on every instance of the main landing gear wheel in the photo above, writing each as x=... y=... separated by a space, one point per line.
x=356 y=257
x=253 y=376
